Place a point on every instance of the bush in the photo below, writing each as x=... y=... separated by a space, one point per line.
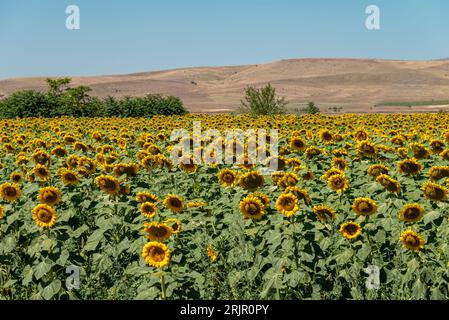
x=61 y=100
x=312 y=108
x=263 y=101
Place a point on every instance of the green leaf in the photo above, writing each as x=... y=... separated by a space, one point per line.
x=364 y=251
x=431 y=216
x=343 y=257
x=51 y=290
x=42 y=268
x=93 y=240
x=148 y=294
x=27 y=275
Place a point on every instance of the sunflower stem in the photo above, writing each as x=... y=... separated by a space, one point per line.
x=163 y=289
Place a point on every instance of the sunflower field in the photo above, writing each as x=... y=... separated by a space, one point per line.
x=95 y=208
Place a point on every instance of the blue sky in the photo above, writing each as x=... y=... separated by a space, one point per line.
x=119 y=36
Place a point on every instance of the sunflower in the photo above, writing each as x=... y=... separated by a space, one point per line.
x=297 y=144
x=49 y=195
x=44 y=216
x=196 y=204
x=412 y=212
x=376 y=170
x=148 y=209
x=156 y=231
x=289 y=179
x=324 y=213
x=389 y=183
x=263 y=198
x=438 y=172
x=367 y=149
x=364 y=206
x=301 y=194
x=143 y=196
x=287 y=204
x=434 y=192
x=332 y=171
x=2 y=212
x=174 y=203
x=251 y=207
x=412 y=240
x=340 y=164
x=108 y=184
x=16 y=177
x=174 y=224
x=338 y=183
x=419 y=151
x=251 y=181
x=41 y=172
x=227 y=177
x=409 y=166
x=156 y=254
x=69 y=178
x=350 y=230
x=212 y=254
x=10 y=191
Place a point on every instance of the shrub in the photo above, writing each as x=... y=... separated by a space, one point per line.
x=312 y=108
x=263 y=101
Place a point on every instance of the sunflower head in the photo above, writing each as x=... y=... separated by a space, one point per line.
x=376 y=170
x=16 y=177
x=142 y=197
x=41 y=172
x=49 y=195
x=10 y=191
x=174 y=203
x=156 y=254
x=289 y=179
x=389 y=183
x=69 y=178
x=434 y=192
x=174 y=224
x=338 y=182
x=287 y=204
x=411 y=213
x=364 y=206
x=324 y=213
x=44 y=216
x=108 y=184
x=157 y=231
x=409 y=166
x=212 y=254
x=350 y=230
x=227 y=177
x=263 y=198
x=301 y=194
x=252 y=208
x=412 y=240
x=148 y=209
x=251 y=181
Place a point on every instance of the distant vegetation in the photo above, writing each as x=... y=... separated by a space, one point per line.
x=263 y=101
x=62 y=100
x=414 y=103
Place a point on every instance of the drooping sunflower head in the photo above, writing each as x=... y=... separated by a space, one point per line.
x=143 y=196
x=364 y=206
x=227 y=177
x=174 y=203
x=376 y=170
x=301 y=194
x=44 y=216
x=41 y=172
x=263 y=198
x=148 y=209
x=412 y=212
x=350 y=230
x=289 y=179
x=157 y=231
x=434 y=191
x=251 y=181
x=367 y=149
x=156 y=254
x=409 y=166
x=252 y=208
x=332 y=171
x=174 y=224
x=49 y=195
x=69 y=178
x=340 y=163
x=420 y=151
x=438 y=172
x=389 y=183
x=324 y=213
x=10 y=191
x=338 y=183
x=287 y=204
x=108 y=184
x=412 y=240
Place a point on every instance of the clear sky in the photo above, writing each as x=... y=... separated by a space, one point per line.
x=124 y=36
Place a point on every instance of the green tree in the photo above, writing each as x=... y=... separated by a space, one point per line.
x=312 y=108
x=263 y=101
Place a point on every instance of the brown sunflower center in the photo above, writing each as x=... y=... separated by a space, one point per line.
x=44 y=215
x=10 y=191
x=158 y=232
x=412 y=213
x=351 y=229
x=157 y=254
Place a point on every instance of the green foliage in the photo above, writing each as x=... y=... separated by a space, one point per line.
x=263 y=101
x=62 y=100
x=312 y=108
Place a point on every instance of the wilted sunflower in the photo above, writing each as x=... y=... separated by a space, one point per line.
x=41 y=172
x=412 y=212
x=409 y=166
x=251 y=181
x=44 y=216
x=350 y=230
x=211 y=253
x=227 y=177
x=69 y=178
x=364 y=206
x=108 y=184
x=157 y=231
x=143 y=196
x=324 y=213
x=174 y=203
x=389 y=183
x=287 y=204
x=10 y=191
x=434 y=192
x=174 y=224
x=148 y=209
x=49 y=195
x=412 y=240
x=338 y=183
x=251 y=207
x=16 y=177
x=156 y=254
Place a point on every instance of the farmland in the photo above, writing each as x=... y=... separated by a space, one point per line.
x=95 y=208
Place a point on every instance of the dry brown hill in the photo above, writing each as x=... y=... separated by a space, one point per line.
x=356 y=85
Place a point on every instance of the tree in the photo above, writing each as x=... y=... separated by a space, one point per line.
x=312 y=108
x=263 y=101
